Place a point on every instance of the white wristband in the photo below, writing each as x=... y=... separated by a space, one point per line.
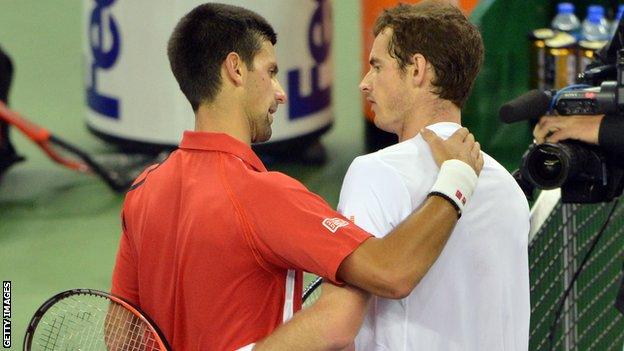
x=456 y=182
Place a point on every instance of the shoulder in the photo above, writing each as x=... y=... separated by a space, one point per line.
x=411 y=155
x=385 y=174
x=277 y=186
x=494 y=171
x=275 y=181
x=371 y=170
x=497 y=183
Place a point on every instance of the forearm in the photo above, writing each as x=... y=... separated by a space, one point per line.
x=391 y=267
x=610 y=137
x=330 y=324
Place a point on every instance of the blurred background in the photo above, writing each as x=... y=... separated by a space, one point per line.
x=59 y=229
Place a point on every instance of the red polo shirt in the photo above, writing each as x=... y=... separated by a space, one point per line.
x=213 y=244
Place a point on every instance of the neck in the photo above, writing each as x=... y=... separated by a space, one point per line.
x=428 y=114
x=223 y=116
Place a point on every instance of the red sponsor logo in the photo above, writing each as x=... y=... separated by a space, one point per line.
x=333 y=224
x=460 y=197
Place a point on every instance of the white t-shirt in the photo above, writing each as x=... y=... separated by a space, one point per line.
x=476 y=295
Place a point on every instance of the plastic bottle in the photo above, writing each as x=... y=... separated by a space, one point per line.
x=595 y=26
x=617 y=19
x=565 y=20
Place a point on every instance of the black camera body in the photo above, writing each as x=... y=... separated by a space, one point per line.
x=584 y=172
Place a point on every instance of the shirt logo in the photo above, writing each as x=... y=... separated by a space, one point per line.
x=334 y=223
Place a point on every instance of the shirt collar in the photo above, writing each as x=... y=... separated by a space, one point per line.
x=221 y=142
x=444 y=129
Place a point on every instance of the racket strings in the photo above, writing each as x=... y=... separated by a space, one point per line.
x=312 y=292
x=125 y=331
x=91 y=322
x=70 y=323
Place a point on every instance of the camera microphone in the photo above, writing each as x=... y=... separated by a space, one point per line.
x=528 y=106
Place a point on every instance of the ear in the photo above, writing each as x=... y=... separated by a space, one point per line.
x=234 y=68
x=419 y=74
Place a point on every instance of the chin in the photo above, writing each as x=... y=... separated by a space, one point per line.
x=262 y=138
x=384 y=123
x=381 y=125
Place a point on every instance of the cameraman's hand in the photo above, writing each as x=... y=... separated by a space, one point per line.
x=553 y=129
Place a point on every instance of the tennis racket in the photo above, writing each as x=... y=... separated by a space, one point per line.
x=312 y=292
x=117 y=170
x=85 y=319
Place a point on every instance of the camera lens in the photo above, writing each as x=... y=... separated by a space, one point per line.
x=550 y=165
x=546 y=165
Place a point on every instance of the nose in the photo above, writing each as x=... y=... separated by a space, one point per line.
x=364 y=84
x=280 y=95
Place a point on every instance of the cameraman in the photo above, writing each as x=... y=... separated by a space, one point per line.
x=603 y=130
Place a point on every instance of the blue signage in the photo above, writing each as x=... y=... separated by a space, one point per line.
x=103 y=58
x=303 y=105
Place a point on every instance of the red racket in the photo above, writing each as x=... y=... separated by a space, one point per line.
x=85 y=319
x=117 y=170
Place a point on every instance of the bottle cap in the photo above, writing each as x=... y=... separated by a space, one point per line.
x=595 y=13
x=565 y=8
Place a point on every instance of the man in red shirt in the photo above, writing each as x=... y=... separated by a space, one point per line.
x=214 y=245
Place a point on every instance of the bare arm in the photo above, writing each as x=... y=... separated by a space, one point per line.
x=387 y=267
x=330 y=324
x=553 y=129
x=392 y=266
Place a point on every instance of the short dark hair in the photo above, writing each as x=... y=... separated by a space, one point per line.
x=444 y=36
x=202 y=40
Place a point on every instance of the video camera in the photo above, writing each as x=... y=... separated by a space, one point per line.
x=585 y=173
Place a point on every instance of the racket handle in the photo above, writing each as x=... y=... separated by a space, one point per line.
x=31 y=130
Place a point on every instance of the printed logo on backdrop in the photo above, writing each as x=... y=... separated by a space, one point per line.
x=333 y=224
x=105 y=42
x=316 y=98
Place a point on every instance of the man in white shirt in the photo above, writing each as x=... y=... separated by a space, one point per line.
x=423 y=63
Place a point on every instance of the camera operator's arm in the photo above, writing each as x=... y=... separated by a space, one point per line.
x=603 y=130
x=610 y=136
x=553 y=129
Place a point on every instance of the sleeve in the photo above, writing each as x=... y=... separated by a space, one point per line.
x=374 y=196
x=125 y=278
x=609 y=137
x=294 y=228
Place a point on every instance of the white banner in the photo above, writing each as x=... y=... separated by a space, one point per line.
x=132 y=94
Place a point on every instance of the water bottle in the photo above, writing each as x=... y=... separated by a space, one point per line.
x=565 y=20
x=595 y=26
x=616 y=20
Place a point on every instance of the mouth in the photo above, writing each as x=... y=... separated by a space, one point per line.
x=272 y=110
x=369 y=99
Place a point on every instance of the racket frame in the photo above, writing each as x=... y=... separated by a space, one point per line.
x=310 y=288
x=42 y=137
x=36 y=318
